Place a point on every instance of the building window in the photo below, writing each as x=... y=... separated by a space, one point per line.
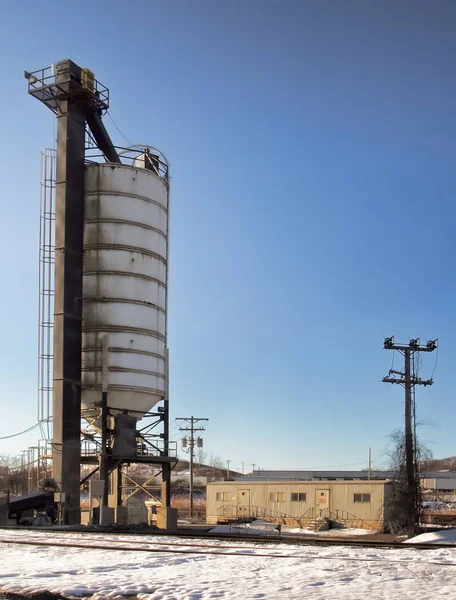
x=298 y=497
x=361 y=498
x=222 y=497
x=277 y=497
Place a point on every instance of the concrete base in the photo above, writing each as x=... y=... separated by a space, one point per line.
x=137 y=511
x=4 y=513
x=107 y=515
x=4 y=508
x=121 y=515
x=167 y=518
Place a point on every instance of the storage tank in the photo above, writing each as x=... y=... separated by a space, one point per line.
x=125 y=285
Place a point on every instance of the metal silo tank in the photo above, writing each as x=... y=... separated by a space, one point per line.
x=124 y=287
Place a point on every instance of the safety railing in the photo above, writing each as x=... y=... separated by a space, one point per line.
x=246 y=512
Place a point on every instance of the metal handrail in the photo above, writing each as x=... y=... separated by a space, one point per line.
x=257 y=512
x=128 y=157
x=345 y=517
x=43 y=85
x=250 y=511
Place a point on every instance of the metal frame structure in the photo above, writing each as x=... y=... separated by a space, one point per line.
x=49 y=88
x=79 y=101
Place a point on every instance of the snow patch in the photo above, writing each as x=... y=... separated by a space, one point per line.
x=445 y=536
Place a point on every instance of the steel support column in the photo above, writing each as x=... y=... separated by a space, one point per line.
x=66 y=455
x=166 y=468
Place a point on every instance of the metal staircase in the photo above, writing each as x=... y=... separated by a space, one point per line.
x=228 y=513
x=312 y=518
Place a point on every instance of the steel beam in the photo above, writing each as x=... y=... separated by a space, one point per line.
x=101 y=135
x=69 y=227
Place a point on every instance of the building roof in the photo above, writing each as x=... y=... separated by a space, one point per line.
x=249 y=481
x=331 y=475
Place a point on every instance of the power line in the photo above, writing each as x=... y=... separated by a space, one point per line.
x=7 y=437
x=436 y=361
x=115 y=125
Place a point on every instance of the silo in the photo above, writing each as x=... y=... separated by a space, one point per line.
x=125 y=286
x=109 y=349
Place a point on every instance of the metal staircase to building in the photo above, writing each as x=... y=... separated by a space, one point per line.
x=316 y=520
x=229 y=513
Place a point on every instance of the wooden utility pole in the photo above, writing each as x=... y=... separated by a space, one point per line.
x=191 y=446
x=409 y=441
x=408 y=378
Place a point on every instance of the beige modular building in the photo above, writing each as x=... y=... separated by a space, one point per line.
x=340 y=503
x=439 y=484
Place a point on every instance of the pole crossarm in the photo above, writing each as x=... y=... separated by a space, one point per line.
x=192 y=429
x=411 y=381
x=414 y=344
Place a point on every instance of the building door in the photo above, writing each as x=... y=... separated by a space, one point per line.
x=321 y=501
x=243 y=497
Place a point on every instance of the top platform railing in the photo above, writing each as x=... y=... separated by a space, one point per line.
x=43 y=85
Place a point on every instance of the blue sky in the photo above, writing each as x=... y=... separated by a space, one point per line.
x=313 y=175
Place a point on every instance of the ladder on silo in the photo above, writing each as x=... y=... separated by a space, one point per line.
x=46 y=292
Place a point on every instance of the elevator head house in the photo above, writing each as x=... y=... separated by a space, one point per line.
x=110 y=352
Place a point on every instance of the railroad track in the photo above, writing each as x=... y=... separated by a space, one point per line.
x=207 y=549
x=243 y=539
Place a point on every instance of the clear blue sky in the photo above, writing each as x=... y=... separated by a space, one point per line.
x=312 y=148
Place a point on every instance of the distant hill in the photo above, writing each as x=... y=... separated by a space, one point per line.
x=439 y=464
x=203 y=470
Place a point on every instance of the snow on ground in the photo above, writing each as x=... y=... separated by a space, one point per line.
x=256 y=570
x=446 y=536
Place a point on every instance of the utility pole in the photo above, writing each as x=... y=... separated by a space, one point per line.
x=228 y=470
x=191 y=444
x=253 y=468
x=369 y=464
x=409 y=379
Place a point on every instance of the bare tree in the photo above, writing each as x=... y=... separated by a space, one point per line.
x=217 y=464
x=440 y=464
x=13 y=477
x=405 y=504
x=201 y=456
